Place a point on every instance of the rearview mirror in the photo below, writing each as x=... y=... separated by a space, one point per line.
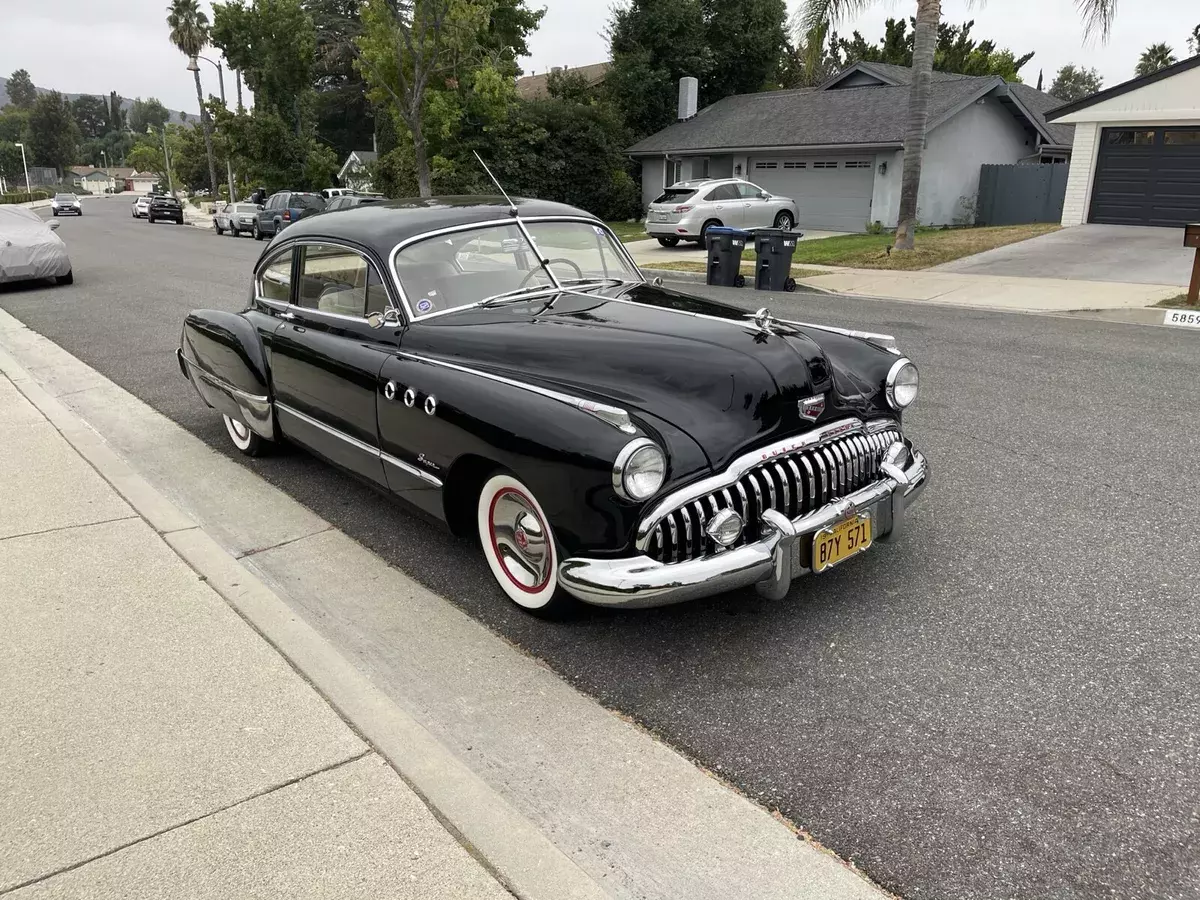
x=389 y=317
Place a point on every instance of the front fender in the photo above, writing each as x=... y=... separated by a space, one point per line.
x=222 y=355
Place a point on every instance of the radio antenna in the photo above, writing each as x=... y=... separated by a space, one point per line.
x=512 y=207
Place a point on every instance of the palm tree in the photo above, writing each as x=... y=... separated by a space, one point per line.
x=189 y=33
x=1156 y=56
x=1097 y=17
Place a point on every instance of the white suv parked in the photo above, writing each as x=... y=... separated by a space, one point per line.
x=686 y=210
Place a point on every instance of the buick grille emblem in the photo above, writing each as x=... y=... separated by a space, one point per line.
x=812 y=407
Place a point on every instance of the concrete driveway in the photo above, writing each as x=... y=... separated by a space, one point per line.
x=1129 y=253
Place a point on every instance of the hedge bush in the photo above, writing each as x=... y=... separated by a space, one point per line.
x=23 y=197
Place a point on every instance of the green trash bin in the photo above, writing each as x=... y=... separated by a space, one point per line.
x=773 y=268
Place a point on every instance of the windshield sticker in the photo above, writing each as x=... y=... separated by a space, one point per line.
x=424 y=306
x=598 y=230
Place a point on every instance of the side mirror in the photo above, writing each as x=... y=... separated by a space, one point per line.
x=389 y=318
x=53 y=226
x=763 y=195
x=260 y=206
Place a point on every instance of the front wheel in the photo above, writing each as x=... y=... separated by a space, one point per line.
x=785 y=221
x=243 y=438
x=257 y=232
x=233 y=231
x=519 y=547
x=150 y=219
x=668 y=241
x=220 y=230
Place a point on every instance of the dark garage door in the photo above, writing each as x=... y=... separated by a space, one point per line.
x=1147 y=176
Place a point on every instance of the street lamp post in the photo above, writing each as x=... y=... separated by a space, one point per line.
x=166 y=156
x=204 y=112
x=25 y=166
x=105 y=155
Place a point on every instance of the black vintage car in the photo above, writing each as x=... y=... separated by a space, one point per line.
x=165 y=209
x=509 y=371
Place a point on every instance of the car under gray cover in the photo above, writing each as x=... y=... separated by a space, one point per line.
x=29 y=249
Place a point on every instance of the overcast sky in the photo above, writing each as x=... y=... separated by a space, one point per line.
x=121 y=45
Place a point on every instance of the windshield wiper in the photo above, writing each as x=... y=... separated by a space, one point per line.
x=595 y=281
x=513 y=295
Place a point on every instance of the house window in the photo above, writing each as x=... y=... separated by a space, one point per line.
x=1128 y=137
x=766 y=165
x=858 y=164
x=794 y=164
x=674 y=172
x=825 y=164
x=700 y=167
x=1174 y=138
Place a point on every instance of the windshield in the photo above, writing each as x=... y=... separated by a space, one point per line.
x=63 y=196
x=466 y=267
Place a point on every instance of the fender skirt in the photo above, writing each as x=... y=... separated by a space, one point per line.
x=221 y=355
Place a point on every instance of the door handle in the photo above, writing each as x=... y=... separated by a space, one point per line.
x=287 y=315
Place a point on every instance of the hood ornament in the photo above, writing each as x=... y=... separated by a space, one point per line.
x=764 y=321
x=812 y=407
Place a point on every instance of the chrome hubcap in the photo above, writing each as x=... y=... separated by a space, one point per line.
x=519 y=539
x=240 y=431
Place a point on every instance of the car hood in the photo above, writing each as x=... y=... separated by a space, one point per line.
x=702 y=367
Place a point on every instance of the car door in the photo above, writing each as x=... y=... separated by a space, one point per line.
x=326 y=358
x=725 y=204
x=756 y=211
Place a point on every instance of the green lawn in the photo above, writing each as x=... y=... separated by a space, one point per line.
x=933 y=246
x=629 y=231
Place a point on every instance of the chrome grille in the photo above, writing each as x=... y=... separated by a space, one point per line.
x=794 y=484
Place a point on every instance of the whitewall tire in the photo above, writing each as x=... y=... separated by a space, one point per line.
x=519 y=546
x=243 y=438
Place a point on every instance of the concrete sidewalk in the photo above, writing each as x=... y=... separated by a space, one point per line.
x=151 y=742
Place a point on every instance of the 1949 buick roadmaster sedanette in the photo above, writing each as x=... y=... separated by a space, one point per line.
x=510 y=371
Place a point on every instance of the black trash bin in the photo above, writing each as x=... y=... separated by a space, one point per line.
x=725 y=246
x=773 y=268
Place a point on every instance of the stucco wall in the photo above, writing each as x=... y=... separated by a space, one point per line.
x=885 y=198
x=652 y=180
x=982 y=133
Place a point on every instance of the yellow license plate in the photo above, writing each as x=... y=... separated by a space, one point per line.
x=839 y=542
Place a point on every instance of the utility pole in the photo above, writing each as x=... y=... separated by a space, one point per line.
x=166 y=157
x=228 y=164
x=25 y=166
x=105 y=157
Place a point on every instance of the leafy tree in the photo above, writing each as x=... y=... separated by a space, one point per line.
x=270 y=153
x=14 y=124
x=408 y=47
x=811 y=59
x=653 y=44
x=1155 y=57
x=342 y=113
x=956 y=50
x=149 y=112
x=1075 y=82
x=1194 y=41
x=115 y=145
x=115 y=116
x=1097 y=17
x=746 y=40
x=189 y=33
x=21 y=92
x=53 y=134
x=91 y=115
x=10 y=160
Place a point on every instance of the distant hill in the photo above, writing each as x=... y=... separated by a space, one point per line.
x=126 y=102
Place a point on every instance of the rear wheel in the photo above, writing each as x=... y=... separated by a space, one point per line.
x=243 y=438
x=785 y=221
x=519 y=547
x=668 y=241
x=711 y=223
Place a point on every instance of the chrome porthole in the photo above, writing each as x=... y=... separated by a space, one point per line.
x=430 y=405
x=410 y=398
x=389 y=390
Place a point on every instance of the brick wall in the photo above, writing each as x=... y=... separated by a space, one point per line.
x=1079 y=181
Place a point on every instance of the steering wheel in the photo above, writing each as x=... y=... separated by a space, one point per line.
x=548 y=264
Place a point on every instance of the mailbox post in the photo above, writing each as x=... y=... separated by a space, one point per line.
x=1191 y=238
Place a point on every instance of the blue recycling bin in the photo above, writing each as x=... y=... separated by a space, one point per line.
x=724 y=247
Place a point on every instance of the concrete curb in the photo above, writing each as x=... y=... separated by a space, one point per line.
x=515 y=851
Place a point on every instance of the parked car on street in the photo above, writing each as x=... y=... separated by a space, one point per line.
x=509 y=371
x=141 y=207
x=167 y=209
x=29 y=248
x=282 y=209
x=349 y=201
x=66 y=205
x=686 y=210
x=236 y=218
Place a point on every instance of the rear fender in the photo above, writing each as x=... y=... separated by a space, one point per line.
x=221 y=354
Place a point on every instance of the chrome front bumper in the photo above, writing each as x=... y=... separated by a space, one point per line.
x=770 y=563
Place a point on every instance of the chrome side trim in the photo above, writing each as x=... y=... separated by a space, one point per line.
x=360 y=445
x=255 y=408
x=613 y=415
x=740 y=466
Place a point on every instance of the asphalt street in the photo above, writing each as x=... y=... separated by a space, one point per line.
x=1002 y=706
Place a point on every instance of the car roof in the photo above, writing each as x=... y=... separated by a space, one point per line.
x=705 y=182
x=383 y=225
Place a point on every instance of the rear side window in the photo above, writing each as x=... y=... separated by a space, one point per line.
x=275 y=280
x=339 y=280
x=723 y=192
x=308 y=201
x=676 y=195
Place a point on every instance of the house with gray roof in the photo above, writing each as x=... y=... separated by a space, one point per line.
x=837 y=149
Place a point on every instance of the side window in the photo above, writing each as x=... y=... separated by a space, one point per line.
x=723 y=192
x=748 y=191
x=339 y=280
x=275 y=280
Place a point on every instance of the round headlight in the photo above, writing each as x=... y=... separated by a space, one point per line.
x=902 y=383
x=639 y=470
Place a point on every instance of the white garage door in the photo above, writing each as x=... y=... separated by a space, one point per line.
x=832 y=193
